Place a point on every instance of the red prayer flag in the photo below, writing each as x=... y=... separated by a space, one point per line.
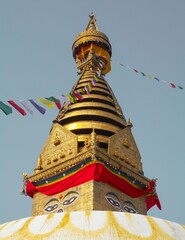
x=78 y=95
x=172 y=85
x=58 y=104
x=19 y=109
x=56 y=101
x=86 y=89
x=103 y=57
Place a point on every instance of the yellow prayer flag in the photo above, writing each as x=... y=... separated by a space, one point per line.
x=70 y=98
x=96 y=78
x=89 y=86
x=46 y=102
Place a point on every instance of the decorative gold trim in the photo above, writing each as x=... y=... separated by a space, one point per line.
x=97 y=153
x=91 y=36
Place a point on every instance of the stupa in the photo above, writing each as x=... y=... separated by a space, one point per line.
x=89 y=182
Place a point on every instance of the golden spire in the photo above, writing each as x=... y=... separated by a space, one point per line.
x=91 y=128
x=99 y=109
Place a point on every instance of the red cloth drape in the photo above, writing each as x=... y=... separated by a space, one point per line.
x=97 y=172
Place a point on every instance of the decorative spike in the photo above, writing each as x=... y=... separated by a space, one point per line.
x=129 y=123
x=92 y=23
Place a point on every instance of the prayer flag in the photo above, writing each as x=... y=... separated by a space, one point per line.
x=149 y=76
x=58 y=104
x=103 y=62
x=156 y=78
x=101 y=65
x=19 y=109
x=135 y=70
x=128 y=67
x=96 y=78
x=173 y=85
x=56 y=101
x=38 y=107
x=164 y=81
x=64 y=99
x=71 y=97
x=5 y=108
x=143 y=74
x=89 y=86
x=86 y=89
x=98 y=73
x=78 y=95
x=93 y=82
x=46 y=102
x=180 y=87
x=81 y=90
x=26 y=106
x=104 y=58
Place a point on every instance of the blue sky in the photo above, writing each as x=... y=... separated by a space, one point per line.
x=36 y=61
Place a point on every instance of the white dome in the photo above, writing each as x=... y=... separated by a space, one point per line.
x=92 y=225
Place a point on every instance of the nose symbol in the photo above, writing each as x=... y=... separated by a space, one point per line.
x=60 y=210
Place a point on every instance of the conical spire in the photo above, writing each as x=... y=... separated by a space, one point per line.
x=99 y=112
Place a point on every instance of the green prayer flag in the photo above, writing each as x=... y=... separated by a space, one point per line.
x=53 y=99
x=180 y=87
x=73 y=97
x=5 y=108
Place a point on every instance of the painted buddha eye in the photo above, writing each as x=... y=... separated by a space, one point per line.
x=69 y=201
x=51 y=205
x=113 y=202
x=51 y=208
x=130 y=210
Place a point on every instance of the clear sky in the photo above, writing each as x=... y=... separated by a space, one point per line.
x=36 y=61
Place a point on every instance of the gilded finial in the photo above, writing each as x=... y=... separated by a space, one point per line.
x=39 y=165
x=129 y=123
x=93 y=138
x=155 y=180
x=25 y=179
x=24 y=175
x=92 y=22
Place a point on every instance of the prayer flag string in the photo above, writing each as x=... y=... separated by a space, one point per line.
x=150 y=76
x=50 y=102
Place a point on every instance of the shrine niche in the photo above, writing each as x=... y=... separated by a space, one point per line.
x=60 y=146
